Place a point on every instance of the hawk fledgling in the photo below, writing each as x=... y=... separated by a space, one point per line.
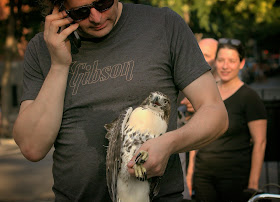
x=126 y=134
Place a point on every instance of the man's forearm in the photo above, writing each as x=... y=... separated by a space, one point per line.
x=206 y=125
x=38 y=122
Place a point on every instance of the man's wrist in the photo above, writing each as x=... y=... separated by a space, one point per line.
x=170 y=141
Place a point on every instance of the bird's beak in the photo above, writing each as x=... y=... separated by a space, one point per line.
x=156 y=101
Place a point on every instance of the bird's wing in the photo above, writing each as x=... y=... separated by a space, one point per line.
x=113 y=158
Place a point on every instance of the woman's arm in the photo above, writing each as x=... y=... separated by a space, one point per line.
x=190 y=170
x=258 y=133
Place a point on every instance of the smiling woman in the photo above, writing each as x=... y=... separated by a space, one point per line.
x=229 y=60
x=241 y=149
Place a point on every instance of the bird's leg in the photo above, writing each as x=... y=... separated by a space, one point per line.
x=140 y=171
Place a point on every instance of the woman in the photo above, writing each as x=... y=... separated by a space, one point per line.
x=233 y=163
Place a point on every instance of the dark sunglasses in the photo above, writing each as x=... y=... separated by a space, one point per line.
x=82 y=12
x=234 y=42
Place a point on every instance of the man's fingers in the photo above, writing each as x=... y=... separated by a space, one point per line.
x=131 y=163
x=56 y=15
x=130 y=168
x=57 y=24
x=55 y=9
x=66 y=32
x=56 y=29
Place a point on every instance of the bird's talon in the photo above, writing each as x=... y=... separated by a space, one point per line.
x=141 y=157
x=138 y=157
x=140 y=171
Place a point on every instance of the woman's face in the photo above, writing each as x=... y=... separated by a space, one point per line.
x=228 y=64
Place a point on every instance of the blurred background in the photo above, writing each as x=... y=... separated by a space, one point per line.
x=255 y=22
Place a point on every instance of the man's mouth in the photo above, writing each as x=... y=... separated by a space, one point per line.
x=99 y=27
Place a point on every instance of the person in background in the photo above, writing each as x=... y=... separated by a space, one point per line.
x=209 y=47
x=127 y=51
x=228 y=168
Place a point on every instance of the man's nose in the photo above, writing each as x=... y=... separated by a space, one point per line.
x=95 y=16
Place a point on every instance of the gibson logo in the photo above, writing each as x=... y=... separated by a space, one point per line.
x=85 y=74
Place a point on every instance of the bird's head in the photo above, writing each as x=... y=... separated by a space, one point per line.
x=159 y=102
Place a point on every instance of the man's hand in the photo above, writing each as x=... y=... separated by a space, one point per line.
x=56 y=38
x=158 y=157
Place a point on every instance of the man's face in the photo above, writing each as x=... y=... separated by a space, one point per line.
x=209 y=53
x=98 y=24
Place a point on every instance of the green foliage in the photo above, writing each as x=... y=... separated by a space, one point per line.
x=242 y=19
x=179 y=6
x=228 y=17
x=147 y=2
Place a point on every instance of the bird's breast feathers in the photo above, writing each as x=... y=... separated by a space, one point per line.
x=146 y=120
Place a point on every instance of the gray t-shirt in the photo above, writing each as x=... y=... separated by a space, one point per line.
x=149 y=49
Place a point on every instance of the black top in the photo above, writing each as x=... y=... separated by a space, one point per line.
x=232 y=151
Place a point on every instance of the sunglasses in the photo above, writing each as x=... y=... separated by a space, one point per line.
x=82 y=12
x=234 y=42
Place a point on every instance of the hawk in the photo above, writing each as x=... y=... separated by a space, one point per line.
x=126 y=134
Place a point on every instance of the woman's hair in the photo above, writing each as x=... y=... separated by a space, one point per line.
x=47 y=6
x=234 y=44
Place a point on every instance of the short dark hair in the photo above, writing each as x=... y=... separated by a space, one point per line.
x=47 y=5
x=234 y=44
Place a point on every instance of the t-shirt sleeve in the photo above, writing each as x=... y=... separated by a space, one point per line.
x=255 y=109
x=187 y=58
x=32 y=74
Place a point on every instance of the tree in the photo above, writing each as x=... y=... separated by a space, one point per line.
x=242 y=19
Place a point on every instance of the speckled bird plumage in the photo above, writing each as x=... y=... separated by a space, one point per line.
x=126 y=134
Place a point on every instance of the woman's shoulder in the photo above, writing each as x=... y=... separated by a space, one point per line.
x=249 y=97
x=247 y=91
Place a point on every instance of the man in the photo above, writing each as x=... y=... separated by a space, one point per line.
x=127 y=51
x=209 y=47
